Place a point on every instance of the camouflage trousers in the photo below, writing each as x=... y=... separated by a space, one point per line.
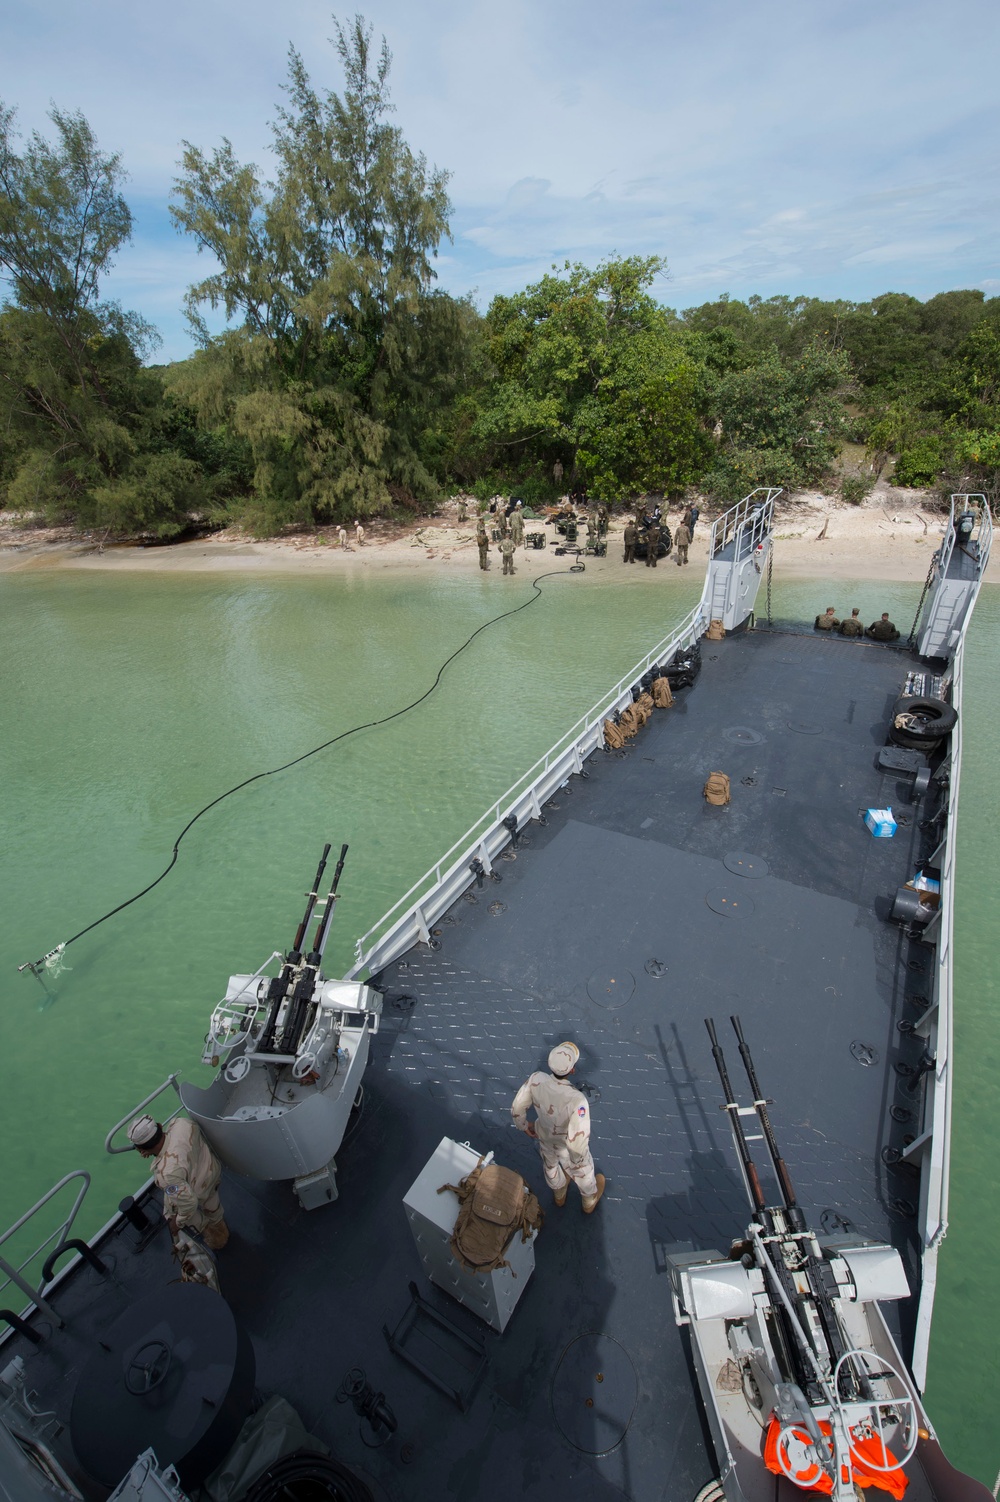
x=209 y=1223
x=559 y=1167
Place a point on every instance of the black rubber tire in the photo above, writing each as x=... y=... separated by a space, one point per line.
x=939 y=718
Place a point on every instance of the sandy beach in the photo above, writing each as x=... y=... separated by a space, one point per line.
x=890 y=537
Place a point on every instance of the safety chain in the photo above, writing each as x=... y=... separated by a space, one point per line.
x=770 y=566
x=910 y=640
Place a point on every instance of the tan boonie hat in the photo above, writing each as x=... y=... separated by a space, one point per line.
x=143 y=1131
x=563 y=1058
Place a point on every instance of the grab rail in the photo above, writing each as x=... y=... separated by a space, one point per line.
x=755 y=509
x=171 y=1080
x=60 y=1236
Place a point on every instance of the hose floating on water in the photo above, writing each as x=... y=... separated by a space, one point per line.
x=36 y=965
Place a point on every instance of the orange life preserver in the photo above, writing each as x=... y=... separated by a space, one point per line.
x=810 y=1476
x=866 y=1458
x=873 y=1473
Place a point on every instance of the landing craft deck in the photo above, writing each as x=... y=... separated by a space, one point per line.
x=630 y=914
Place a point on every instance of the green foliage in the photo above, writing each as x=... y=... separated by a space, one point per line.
x=341 y=357
x=782 y=422
x=84 y=422
x=921 y=463
x=589 y=370
x=854 y=488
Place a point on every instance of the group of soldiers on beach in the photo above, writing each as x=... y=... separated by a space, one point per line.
x=645 y=531
x=881 y=630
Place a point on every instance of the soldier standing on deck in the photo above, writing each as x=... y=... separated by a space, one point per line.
x=188 y=1172
x=652 y=545
x=507 y=547
x=483 y=543
x=561 y=1128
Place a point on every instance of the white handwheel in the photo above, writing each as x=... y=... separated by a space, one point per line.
x=237 y=1069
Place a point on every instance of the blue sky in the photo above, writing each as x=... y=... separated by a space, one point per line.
x=824 y=147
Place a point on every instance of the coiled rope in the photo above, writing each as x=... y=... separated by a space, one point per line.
x=36 y=965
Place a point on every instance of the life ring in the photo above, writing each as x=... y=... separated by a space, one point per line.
x=790 y=1452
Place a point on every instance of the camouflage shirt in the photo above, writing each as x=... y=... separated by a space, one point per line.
x=187 y=1171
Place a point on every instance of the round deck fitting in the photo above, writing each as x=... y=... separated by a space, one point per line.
x=731 y=902
x=609 y=990
x=804 y=727
x=594 y=1391
x=655 y=968
x=742 y=735
x=496 y=908
x=865 y=1053
x=742 y=864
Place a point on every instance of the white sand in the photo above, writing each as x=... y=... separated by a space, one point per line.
x=890 y=537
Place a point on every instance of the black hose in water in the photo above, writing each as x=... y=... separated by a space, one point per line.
x=273 y=771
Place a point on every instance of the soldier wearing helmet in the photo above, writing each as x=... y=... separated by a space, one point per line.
x=188 y=1172
x=561 y=1127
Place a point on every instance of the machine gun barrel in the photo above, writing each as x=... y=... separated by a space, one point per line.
x=300 y=932
x=760 y=1105
x=739 y=1136
x=298 y=1014
x=323 y=927
x=278 y=988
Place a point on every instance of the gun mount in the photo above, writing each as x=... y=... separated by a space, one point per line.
x=291 y=1050
x=798 y=1370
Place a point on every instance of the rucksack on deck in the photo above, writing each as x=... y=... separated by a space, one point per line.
x=494 y=1204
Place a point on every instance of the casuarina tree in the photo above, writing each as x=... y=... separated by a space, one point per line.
x=333 y=346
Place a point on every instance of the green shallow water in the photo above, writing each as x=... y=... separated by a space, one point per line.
x=129 y=701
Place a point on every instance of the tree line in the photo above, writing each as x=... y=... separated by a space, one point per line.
x=346 y=384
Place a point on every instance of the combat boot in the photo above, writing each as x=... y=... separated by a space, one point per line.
x=590 y=1201
x=216 y=1235
x=559 y=1195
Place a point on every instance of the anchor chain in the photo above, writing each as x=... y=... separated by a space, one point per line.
x=911 y=639
x=770 y=566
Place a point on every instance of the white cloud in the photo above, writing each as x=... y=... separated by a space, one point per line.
x=770 y=146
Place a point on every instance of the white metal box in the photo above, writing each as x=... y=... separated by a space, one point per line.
x=493 y=1296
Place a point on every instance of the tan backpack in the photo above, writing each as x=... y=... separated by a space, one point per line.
x=716 y=789
x=662 y=697
x=613 y=737
x=494 y=1204
x=716 y=631
x=196 y=1262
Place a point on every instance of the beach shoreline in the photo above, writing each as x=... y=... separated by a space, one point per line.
x=890 y=538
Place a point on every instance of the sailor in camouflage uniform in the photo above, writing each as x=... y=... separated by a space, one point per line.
x=507 y=547
x=483 y=543
x=188 y=1172
x=562 y=1127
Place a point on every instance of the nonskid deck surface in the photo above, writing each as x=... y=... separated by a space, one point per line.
x=621 y=925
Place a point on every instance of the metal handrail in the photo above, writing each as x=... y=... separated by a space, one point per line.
x=468 y=844
x=171 y=1080
x=936 y=1119
x=60 y=1236
x=733 y=521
